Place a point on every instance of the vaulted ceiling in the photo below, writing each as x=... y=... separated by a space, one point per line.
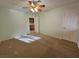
x=18 y=4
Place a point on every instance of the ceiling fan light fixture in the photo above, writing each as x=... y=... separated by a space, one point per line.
x=32 y=10
x=36 y=5
x=36 y=9
x=33 y=5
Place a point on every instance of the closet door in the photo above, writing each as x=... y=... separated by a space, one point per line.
x=70 y=26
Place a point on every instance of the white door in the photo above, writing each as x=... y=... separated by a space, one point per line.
x=70 y=26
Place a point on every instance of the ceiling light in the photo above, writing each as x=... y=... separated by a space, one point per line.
x=36 y=5
x=36 y=9
x=32 y=10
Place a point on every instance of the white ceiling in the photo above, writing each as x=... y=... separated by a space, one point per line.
x=18 y=4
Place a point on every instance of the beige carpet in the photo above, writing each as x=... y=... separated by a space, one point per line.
x=45 y=47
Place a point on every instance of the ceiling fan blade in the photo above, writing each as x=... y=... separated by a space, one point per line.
x=29 y=2
x=41 y=5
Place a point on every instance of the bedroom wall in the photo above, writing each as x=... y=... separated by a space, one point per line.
x=52 y=21
x=12 y=23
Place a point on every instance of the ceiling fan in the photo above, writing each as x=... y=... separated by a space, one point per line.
x=35 y=5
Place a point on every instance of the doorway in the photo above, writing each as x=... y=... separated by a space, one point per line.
x=31 y=25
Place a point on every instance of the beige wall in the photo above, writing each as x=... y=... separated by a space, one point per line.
x=52 y=22
x=12 y=23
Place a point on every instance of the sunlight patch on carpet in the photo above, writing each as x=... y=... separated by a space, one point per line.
x=27 y=38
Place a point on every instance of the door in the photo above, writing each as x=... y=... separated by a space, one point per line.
x=70 y=26
x=31 y=25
